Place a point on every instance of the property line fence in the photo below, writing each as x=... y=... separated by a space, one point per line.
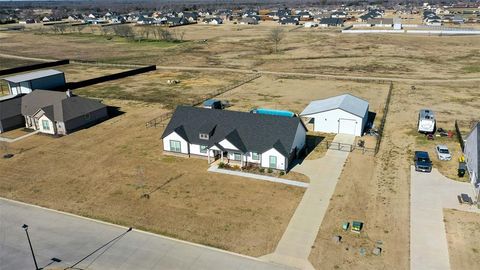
x=110 y=77
x=103 y=64
x=346 y=147
x=159 y=120
x=459 y=136
x=384 y=119
x=33 y=67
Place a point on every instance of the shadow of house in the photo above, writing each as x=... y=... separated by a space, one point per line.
x=311 y=142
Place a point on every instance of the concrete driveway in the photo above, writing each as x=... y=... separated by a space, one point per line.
x=430 y=194
x=70 y=238
x=297 y=241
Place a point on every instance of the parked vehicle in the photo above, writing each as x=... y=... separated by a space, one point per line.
x=422 y=162
x=442 y=152
x=426 y=121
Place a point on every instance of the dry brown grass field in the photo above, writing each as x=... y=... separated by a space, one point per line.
x=103 y=171
x=463 y=236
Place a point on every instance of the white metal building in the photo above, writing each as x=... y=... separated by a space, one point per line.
x=48 y=79
x=340 y=114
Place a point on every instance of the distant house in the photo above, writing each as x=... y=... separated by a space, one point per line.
x=190 y=16
x=327 y=22
x=310 y=24
x=235 y=137
x=304 y=15
x=288 y=21
x=345 y=114
x=381 y=22
x=215 y=20
x=339 y=14
x=11 y=113
x=248 y=20
x=175 y=21
x=472 y=156
x=60 y=113
x=48 y=79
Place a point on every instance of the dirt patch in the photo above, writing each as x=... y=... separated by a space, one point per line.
x=463 y=236
x=105 y=171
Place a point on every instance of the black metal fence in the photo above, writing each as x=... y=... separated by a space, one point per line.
x=111 y=77
x=384 y=119
x=459 y=136
x=33 y=67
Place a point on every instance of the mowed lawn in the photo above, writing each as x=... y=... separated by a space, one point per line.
x=105 y=171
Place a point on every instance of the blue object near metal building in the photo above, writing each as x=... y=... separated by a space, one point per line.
x=273 y=112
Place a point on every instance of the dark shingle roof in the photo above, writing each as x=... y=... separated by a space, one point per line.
x=247 y=131
x=10 y=107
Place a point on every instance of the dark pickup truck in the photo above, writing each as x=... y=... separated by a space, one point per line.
x=422 y=162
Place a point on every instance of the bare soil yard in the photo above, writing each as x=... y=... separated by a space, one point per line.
x=102 y=172
x=463 y=236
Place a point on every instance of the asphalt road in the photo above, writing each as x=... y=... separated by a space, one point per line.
x=71 y=238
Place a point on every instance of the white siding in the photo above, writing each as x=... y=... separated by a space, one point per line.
x=250 y=160
x=281 y=162
x=51 y=127
x=174 y=136
x=195 y=150
x=227 y=145
x=471 y=155
x=329 y=121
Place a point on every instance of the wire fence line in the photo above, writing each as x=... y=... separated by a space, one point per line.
x=384 y=119
x=159 y=120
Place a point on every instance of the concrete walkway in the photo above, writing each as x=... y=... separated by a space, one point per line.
x=430 y=194
x=214 y=168
x=70 y=238
x=296 y=243
x=3 y=139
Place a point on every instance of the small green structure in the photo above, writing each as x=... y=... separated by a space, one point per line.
x=357 y=226
x=345 y=226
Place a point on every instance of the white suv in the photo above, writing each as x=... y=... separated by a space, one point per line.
x=442 y=152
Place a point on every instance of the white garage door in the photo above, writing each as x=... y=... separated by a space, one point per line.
x=347 y=126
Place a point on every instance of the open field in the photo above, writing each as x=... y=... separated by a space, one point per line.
x=303 y=50
x=102 y=172
x=153 y=87
x=463 y=236
x=6 y=63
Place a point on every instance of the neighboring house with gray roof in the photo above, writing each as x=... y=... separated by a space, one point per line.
x=10 y=113
x=340 y=114
x=60 y=113
x=472 y=155
x=243 y=138
x=49 y=79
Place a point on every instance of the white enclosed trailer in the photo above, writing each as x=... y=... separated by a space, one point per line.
x=426 y=121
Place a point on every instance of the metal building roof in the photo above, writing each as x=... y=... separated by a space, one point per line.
x=346 y=102
x=32 y=75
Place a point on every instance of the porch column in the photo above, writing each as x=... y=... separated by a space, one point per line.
x=241 y=160
x=221 y=154
x=208 y=155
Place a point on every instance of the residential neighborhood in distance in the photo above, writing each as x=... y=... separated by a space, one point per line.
x=273 y=134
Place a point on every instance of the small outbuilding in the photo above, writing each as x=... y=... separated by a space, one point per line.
x=48 y=79
x=340 y=114
x=11 y=113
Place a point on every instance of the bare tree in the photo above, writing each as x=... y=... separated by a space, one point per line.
x=59 y=28
x=164 y=34
x=80 y=28
x=276 y=36
x=124 y=30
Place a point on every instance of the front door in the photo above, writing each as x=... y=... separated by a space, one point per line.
x=272 y=162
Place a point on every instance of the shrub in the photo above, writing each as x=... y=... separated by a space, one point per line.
x=262 y=170
x=270 y=170
x=221 y=165
x=282 y=173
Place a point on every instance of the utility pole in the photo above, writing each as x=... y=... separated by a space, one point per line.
x=25 y=227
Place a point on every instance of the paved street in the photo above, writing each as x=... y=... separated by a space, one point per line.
x=430 y=194
x=71 y=238
x=297 y=241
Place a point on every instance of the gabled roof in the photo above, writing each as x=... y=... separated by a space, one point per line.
x=32 y=75
x=249 y=132
x=346 y=102
x=64 y=107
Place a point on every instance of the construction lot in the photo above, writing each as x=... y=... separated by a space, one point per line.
x=102 y=172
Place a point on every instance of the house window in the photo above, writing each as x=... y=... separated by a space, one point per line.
x=255 y=156
x=272 y=162
x=237 y=156
x=175 y=146
x=45 y=125
x=203 y=136
x=203 y=149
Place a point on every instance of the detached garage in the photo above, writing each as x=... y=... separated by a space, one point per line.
x=340 y=114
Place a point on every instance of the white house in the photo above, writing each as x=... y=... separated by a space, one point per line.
x=48 y=79
x=242 y=138
x=340 y=114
